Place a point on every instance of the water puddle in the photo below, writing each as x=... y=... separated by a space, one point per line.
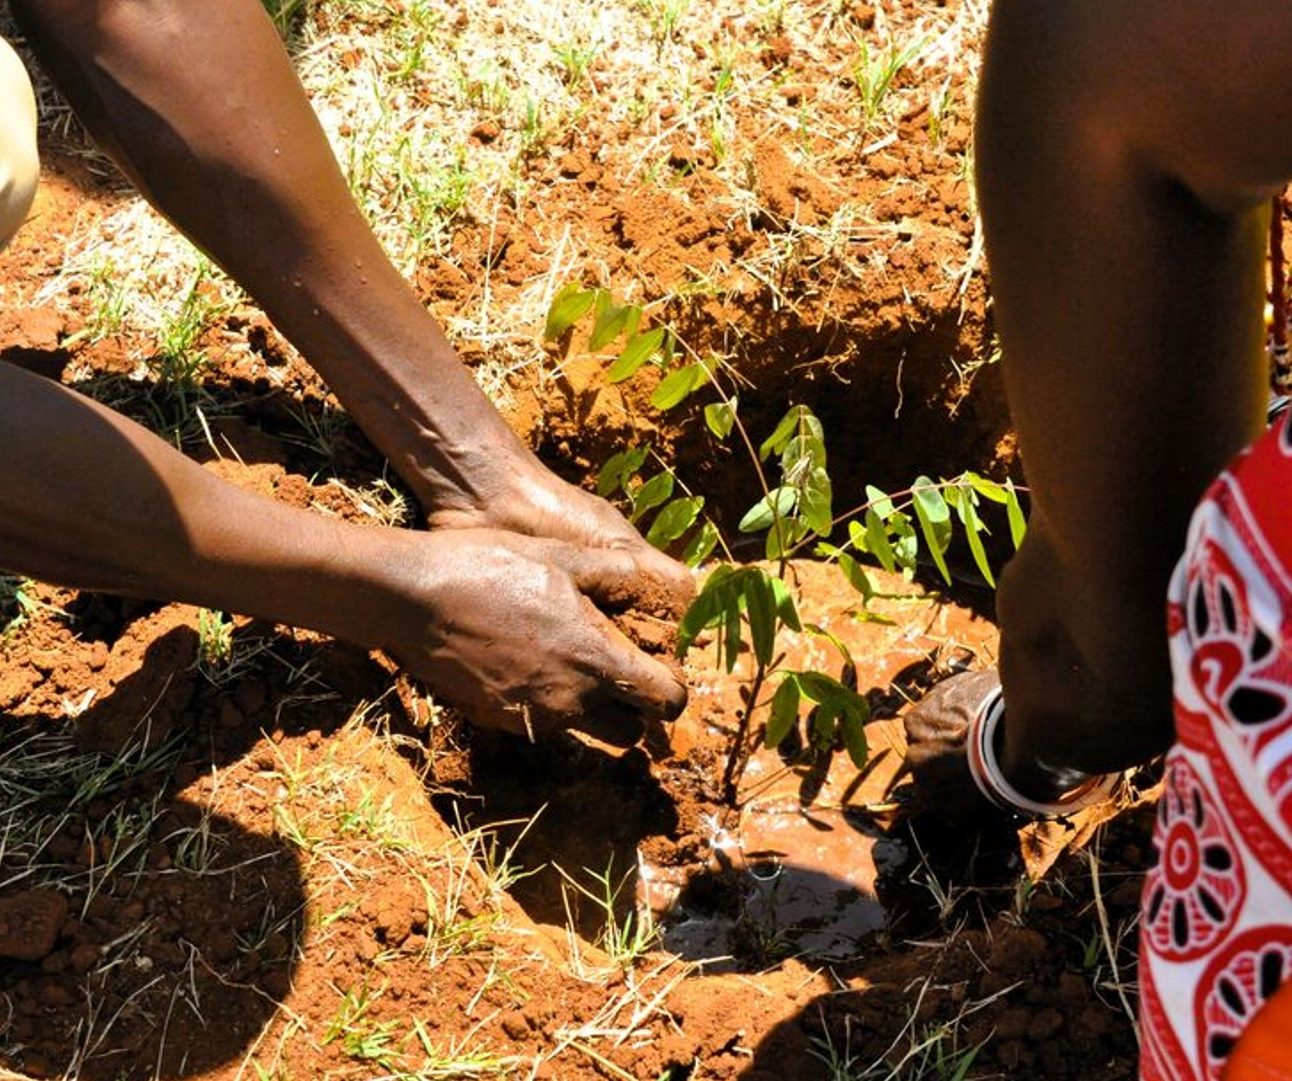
x=791 y=878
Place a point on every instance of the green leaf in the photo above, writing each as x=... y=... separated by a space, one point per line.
x=706 y=609
x=819 y=687
x=568 y=307
x=905 y=547
x=1017 y=523
x=816 y=502
x=678 y=385
x=833 y=639
x=856 y=576
x=761 y=606
x=650 y=495
x=935 y=521
x=701 y=544
x=855 y=743
x=785 y=609
x=610 y=323
x=720 y=417
x=618 y=468
x=828 y=691
x=784 y=712
x=674 y=520
x=760 y=516
x=825 y=719
x=867 y=616
x=636 y=353
x=806 y=450
x=989 y=489
x=632 y=322
x=783 y=432
x=973 y=528
x=880 y=503
x=731 y=633
x=779 y=541
x=877 y=542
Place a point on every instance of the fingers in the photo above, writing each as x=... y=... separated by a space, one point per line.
x=638 y=680
x=666 y=586
x=624 y=576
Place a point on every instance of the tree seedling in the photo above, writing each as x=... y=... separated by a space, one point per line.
x=749 y=607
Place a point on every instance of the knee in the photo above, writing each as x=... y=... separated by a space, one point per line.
x=19 y=163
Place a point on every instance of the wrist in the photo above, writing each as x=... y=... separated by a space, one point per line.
x=294 y=566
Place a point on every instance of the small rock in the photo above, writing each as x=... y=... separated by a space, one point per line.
x=516 y=1025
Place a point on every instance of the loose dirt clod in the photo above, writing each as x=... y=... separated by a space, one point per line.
x=30 y=923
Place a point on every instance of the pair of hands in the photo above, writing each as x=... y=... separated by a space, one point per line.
x=505 y=620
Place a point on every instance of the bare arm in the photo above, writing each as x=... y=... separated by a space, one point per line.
x=201 y=107
x=1126 y=153
x=500 y=624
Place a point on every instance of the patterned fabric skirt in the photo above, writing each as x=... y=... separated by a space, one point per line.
x=1216 y=929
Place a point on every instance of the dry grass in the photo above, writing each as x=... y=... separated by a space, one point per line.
x=438 y=115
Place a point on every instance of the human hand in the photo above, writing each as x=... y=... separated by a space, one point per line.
x=937 y=729
x=505 y=628
x=529 y=500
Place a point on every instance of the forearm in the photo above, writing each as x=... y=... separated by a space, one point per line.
x=90 y=499
x=1129 y=309
x=200 y=106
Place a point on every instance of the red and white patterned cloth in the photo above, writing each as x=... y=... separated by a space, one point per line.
x=1216 y=931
